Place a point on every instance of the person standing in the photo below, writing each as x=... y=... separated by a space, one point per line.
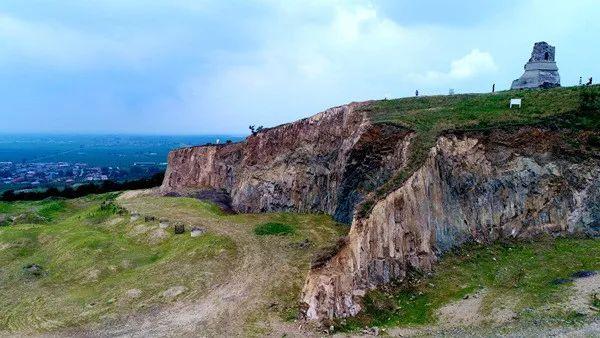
x=580 y=82
x=417 y=92
x=494 y=88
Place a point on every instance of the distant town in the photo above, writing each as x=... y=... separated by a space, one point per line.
x=24 y=176
x=39 y=161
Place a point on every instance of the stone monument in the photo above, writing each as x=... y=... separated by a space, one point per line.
x=541 y=70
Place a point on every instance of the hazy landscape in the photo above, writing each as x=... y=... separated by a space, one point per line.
x=396 y=168
x=43 y=160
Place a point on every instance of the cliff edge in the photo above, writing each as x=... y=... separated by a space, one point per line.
x=415 y=177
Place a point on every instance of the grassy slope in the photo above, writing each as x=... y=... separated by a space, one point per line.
x=431 y=116
x=519 y=274
x=92 y=256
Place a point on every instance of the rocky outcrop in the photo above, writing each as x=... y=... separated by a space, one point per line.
x=325 y=163
x=471 y=188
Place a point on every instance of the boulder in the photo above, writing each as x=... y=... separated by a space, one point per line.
x=197 y=231
x=179 y=229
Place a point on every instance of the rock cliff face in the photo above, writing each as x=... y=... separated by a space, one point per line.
x=325 y=163
x=471 y=188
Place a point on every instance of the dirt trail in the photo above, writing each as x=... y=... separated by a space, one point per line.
x=224 y=309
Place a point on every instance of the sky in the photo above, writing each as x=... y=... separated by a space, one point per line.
x=215 y=67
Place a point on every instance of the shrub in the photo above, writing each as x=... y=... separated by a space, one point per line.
x=273 y=228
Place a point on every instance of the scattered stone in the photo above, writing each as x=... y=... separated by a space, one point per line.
x=173 y=292
x=373 y=331
x=583 y=274
x=3 y=220
x=133 y=293
x=179 y=229
x=135 y=216
x=163 y=224
x=197 y=231
x=34 y=270
x=149 y=218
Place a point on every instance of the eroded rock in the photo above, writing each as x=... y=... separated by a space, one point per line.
x=469 y=189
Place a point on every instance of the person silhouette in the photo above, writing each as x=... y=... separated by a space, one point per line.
x=417 y=92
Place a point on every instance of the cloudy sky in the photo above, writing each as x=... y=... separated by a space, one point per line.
x=197 y=67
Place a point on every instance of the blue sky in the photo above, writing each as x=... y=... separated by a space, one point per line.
x=207 y=67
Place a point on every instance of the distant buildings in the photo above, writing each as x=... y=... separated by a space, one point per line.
x=45 y=174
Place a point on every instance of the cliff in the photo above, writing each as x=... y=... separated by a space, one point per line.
x=427 y=174
x=471 y=188
x=324 y=163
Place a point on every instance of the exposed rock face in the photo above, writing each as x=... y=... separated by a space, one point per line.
x=477 y=187
x=540 y=70
x=324 y=163
x=472 y=187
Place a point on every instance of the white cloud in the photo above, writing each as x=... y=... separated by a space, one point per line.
x=473 y=64
x=311 y=66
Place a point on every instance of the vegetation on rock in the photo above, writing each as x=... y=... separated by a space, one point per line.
x=520 y=276
x=571 y=108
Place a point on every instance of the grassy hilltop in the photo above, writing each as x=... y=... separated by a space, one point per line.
x=570 y=108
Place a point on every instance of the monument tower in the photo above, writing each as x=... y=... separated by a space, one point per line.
x=541 y=70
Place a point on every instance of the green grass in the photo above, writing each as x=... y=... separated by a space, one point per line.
x=574 y=108
x=91 y=256
x=521 y=274
x=273 y=228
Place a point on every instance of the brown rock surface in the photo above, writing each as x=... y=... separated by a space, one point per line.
x=324 y=163
x=470 y=188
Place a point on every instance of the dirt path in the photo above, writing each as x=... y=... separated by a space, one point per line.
x=226 y=309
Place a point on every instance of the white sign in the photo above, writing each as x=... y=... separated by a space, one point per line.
x=515 y=102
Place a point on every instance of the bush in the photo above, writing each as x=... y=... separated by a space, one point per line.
x=273 y=228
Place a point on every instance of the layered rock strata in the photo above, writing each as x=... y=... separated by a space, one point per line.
x=325 y=163
x=471 y=188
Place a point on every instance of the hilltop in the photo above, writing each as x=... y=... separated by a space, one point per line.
x=461 y=210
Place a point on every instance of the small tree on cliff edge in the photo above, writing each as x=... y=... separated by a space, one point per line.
x=254 y=130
